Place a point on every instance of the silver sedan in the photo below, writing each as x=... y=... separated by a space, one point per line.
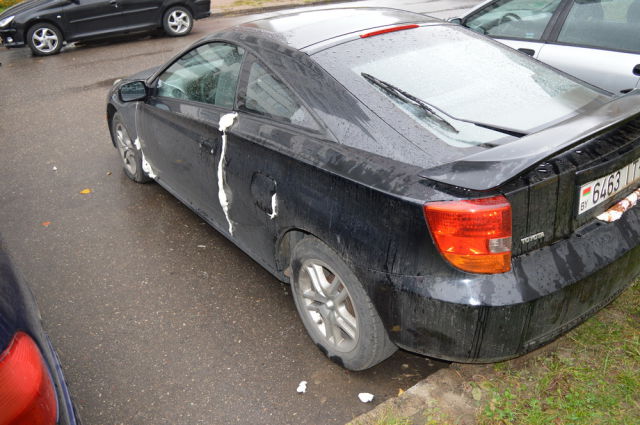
x=597 y=41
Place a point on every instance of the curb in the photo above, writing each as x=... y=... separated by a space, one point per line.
x=275 y=8
x=424 y=399
x=445 y=394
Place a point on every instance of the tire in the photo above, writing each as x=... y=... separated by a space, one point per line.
x=130 y=155
x=177 y=21
x=335 y=309
x=44 y=39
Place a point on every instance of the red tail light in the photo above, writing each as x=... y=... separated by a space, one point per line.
x=27 y=396
x=473 y=235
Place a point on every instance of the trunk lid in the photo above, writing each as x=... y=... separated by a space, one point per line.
x=547 y=175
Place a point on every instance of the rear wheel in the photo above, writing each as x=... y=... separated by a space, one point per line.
x=130 y=155
x=335 y=309
x=177 y=21
x=44 y=39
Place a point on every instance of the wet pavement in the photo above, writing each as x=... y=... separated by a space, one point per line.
x=157 y=318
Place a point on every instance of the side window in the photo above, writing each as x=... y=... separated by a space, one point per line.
x=266 y=95
x=608 y=24
x=526 y=19
x=207 y=74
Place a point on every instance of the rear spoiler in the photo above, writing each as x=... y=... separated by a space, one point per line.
x=489 y=169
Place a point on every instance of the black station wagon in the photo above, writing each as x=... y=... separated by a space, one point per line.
x=419 y=185
x=44 y=25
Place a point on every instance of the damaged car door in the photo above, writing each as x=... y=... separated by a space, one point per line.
x=271 y=122
x=179 y=124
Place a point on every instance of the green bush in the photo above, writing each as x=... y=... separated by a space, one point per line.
x=8 y=3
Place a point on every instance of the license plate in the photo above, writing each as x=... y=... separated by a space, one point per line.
x=600 y=190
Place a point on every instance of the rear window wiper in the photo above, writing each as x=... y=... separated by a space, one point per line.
x=433 y=110
x=409 y=98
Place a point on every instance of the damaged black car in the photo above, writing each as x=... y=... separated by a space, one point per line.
x=418 y=185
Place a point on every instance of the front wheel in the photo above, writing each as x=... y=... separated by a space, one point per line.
x=335 y=309
x=177 y=21
x=44 y=39
x=130 y=155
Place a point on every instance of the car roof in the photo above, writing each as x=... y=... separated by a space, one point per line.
x=304 y=29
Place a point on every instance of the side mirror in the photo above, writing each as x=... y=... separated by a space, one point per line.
x=130 y=92
x=457 y=21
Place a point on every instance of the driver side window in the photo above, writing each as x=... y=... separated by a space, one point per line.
x=207 y=74
x=523 y=19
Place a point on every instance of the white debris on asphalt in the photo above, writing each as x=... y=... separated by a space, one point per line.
x=55 y=168
x=202 y=246
x=302 y=387
x=365 y=397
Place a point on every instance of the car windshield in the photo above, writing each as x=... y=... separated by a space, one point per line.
x=477 y=90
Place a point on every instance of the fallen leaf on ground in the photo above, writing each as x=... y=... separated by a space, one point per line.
x=476 y=393
x=46 y=223
x=85 y=191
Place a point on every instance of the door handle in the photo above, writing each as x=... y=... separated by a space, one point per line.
x=529 y=52
x=114 y=2
x=636 y=70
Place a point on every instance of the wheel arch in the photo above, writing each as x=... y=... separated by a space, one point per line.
x=111 y=111
x=174 y=4
x=36 y=21
x=284 y=249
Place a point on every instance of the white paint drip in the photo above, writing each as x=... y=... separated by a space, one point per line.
x=146 y=167
x=226 y=121
x=274 y=206
x=615 y=213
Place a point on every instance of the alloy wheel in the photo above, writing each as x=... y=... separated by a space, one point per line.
x=179 y=21
x=126 y=149
x=45 y=40
x=327 y=303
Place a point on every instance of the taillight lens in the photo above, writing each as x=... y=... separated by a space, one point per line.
x=473 y=235
x=27 y=396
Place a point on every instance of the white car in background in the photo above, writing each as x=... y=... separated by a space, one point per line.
x=597 y=41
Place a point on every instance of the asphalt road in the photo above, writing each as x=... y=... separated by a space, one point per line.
x=157 y=318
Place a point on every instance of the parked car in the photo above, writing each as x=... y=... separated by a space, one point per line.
x=595 y=40
x=419 y=185
x=32 y=387
x=45 y=25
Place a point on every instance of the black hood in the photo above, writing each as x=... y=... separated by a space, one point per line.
x=28 y=6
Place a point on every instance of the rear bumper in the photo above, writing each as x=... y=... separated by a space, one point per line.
x=202 y=9
x=472 y=318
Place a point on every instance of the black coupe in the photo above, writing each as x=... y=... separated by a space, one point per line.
x=419 y=185
x=44 y=25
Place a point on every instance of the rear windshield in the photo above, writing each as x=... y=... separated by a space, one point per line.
x=462 y=87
